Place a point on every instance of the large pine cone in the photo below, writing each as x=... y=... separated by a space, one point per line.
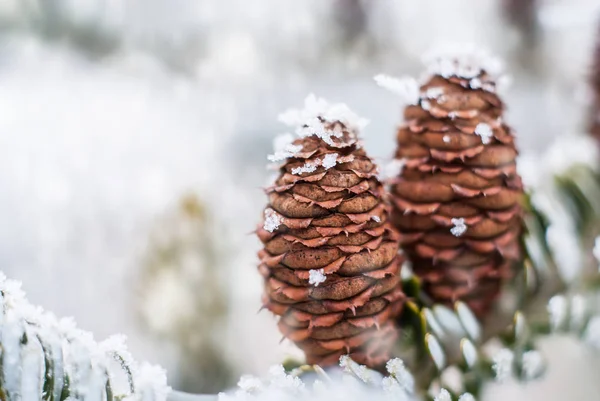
x=330 y=258
x=457 y=201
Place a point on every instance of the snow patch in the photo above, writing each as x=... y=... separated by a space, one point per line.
x=463 y=61
x=272 y=220
x=485 y=132
x=316 y=277
x=459 y=227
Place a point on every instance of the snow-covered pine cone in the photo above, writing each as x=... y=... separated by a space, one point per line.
x=458 y=199
x=330 y=258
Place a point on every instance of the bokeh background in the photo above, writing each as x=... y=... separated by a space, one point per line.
x=134 y=135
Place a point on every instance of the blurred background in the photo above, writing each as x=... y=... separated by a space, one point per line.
x=134 y=135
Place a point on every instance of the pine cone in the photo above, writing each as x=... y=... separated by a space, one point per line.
x=457 y=201
x=330 y=259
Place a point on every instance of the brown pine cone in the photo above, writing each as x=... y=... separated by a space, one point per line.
x=457 y=200
x=330 y=259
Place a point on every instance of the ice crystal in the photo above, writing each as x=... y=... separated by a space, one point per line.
x=406 y=87
x=329 y=161
x=282 y=380
x=284 y=148
x=250 y=384
x=459 y=227
x=308 y=167
x=272 y=220
x=398 y=371
x=485 y=132
x=463 y=61
x=359 y=371
x=316 y=277
x=309 y=121
x=503 y=364
x=434 y=92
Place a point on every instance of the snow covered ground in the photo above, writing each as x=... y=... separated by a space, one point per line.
x=111 y=111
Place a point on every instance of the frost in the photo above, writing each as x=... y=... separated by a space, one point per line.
x=475 y=83
x=317 y=111
x=282 y=380
x=444 y=395
x=73 y=352
x=503 y=361
x=464 y=61
x=316 y=277
x=406 y=87
x=250 y=384
x=398 y=371
x=329 y=161
x=308 y=167
x=533 y=365
x=434 y=92
x=272 y=220
x=459 y=227
x=284 y=148
x=359 y=371
x=485 y=132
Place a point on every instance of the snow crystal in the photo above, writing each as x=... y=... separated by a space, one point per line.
x=485 y=132
x=592 y=333
x=434 y=92
x=284 y=148
x=398 y=371
x=282 y=380
x=503 y=361
x=475 y=83
x=464 y=61
x=459 y=227
x=316 y=277
x=446 y=139
x=329 y=161
x=406 y=87
x=359 y=371
x=309 y=121
x=308 y=167
x=444 y=395
x=272 y=220
x=533 y=365
x=250 y=384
